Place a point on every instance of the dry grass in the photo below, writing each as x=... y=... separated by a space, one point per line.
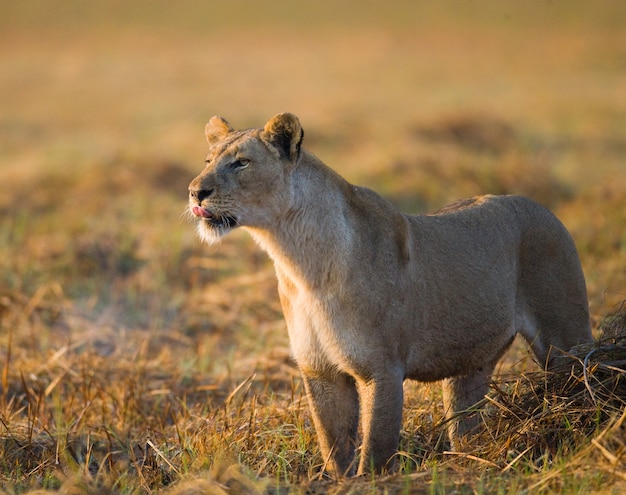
x=72 y=427
x=135 y=360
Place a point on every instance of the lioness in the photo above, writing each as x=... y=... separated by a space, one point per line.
x=373 y=296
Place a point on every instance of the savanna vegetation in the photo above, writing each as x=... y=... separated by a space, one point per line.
x=135 y=360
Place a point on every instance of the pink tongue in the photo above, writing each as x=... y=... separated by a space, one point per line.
x=201 y=212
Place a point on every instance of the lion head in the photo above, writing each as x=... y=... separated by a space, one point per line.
x=246 y=178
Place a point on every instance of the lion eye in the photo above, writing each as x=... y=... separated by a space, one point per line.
x=240 y=164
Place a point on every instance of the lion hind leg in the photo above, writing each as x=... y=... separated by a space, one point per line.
x=460 y=394
x=551 y=332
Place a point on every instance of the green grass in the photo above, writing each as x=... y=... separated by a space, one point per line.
x=135 y=360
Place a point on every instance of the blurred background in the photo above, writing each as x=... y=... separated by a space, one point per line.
x=103 y=107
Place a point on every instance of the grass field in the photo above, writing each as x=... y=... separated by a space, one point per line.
x=136 y=360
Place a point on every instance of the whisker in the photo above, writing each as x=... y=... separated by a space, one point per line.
x=186 y=215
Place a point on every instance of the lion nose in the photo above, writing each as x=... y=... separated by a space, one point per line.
x=201 y=194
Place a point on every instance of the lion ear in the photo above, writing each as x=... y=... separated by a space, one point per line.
x=216 y=129
x=284 y=132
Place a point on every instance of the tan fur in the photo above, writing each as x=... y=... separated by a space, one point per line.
x=373 y=296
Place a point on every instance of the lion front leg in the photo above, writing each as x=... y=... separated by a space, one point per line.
x=335 y=410
x=381 y=420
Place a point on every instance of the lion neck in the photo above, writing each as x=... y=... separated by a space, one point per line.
x=311 y=241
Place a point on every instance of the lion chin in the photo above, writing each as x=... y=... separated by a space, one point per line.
x=212 y=232
x=212 y=226
x=209 y=234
